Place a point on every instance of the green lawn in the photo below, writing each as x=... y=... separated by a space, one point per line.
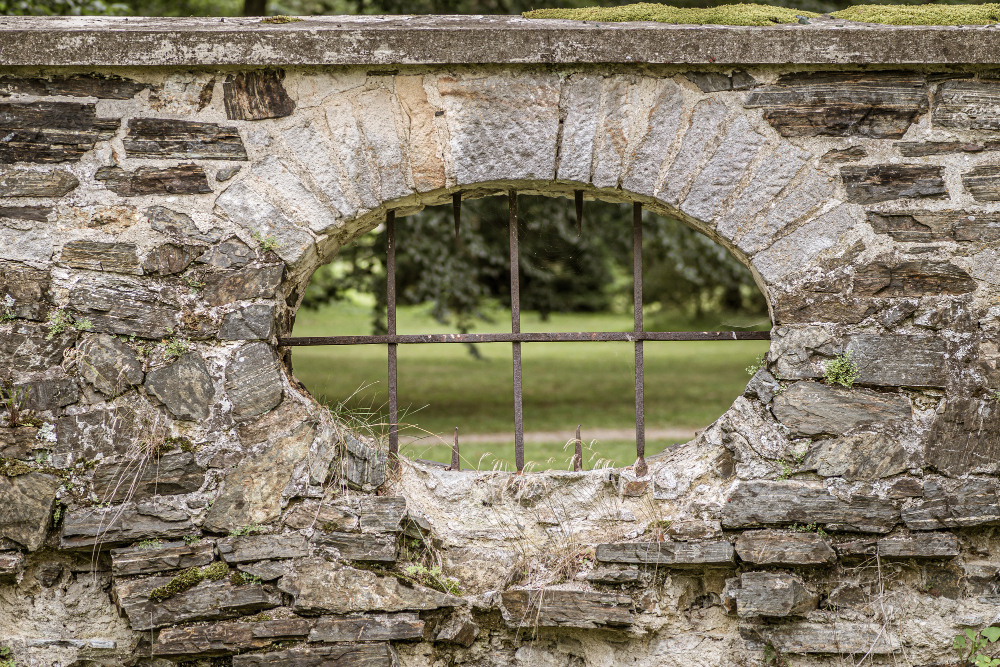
x=688 y=384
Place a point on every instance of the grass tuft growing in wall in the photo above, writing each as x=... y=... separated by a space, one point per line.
x=739 y=14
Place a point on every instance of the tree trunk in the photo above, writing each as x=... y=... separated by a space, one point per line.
x=254 y=7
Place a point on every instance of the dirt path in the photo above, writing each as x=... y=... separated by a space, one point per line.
x=536 y=437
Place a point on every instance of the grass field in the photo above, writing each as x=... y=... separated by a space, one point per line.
x=688 y=384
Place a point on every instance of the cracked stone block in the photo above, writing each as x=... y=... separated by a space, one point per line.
x=360 y=547
x=247 y=548
x=254 y=322
x=26 y=503
x=951 y=504
x=365 y=464
x=458 y=629
x=184 y=387
x=773 y=594
x=546 y=607
x=811 y=408
x=230 y=254
x=208 y=601
x=169 y=474
x=703 y=552
x=253 y=380
x=168 y=138
x=775 y=547
x=163 y=557
x=370 y=627
x=116 y=526
x=21 y=182
x=170 y=258
x=96 y=256
x=108 y=364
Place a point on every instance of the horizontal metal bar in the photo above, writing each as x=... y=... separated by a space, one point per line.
x=581 y=337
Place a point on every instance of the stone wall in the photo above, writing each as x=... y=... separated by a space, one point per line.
x=173 y=494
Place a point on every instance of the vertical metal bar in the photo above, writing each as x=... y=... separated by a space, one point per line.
x=515 y=324
x=640 y=411
x=456 y=207
x=390 y=265
x=578 y=200
x=578 y=452
x=456 y=464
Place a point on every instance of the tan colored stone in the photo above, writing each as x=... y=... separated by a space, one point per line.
x=425 y=151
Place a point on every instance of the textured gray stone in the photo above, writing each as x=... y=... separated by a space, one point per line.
x=458 y=629
x=773 y=594
x=811 y=408
x=376 y=654
x=108 y=364
x=724 y=170
x=360 y=546
x=49 y=394
x=184 y=387
x=320 y=587
x=179 y=225
x=311 y=148
x=169 y=474
x=252 y=211
x=183 y=179
x=705 y=125
x=29 y=287
x=382 y=513
x=370 y=627
x=21 y=182
x=296 y=197
x=925 y=545
x=208 y=601
x=580 y=102
x=252 y=492
x=254 y=322
x=491 y=138
x=25 y=245
x=375 y=114
x=841 y=638
x=101 y=431
x=124 y=307
x=248 y=283
x=967 y=105
x=900 y=361
x=794 y=252
x=230 y=254
x=164 y=557
x=566 y=609
x=814 y=190
x=950 y=504
x=783 y=502
x=107 y=527
x=365 y=464
x=885 y=182
x=865 y=455
x=96 y=256
x=248 y=548
x=778 y=547
x=169 y=138
x=642 y=171
x=611 y=138
x=253 y=380
x=702 y=552
x=27 y=347
x=983 y=182
x=26 y=503
x=170 y=258
x=51 y=131
x=11 y=566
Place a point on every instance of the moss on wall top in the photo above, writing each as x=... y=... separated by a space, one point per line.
x=762 y=15
x=740 y=14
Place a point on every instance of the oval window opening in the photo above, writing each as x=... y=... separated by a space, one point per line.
x=571 y=279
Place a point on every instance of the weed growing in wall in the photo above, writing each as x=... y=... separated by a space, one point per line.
x=266 y=243
x=14 y=400
x=841 y=370
x=7 y=308
x=189 y=579
x=970 y=646
x=176 y=348
x=252 y=529
x=7 y=657
x=756 y=365
x=432 y=578
x=61 y=321
x=995 y=396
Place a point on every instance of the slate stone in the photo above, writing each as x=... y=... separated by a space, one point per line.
x=184 y=387
x=208 y=601
x=320 y=587
x=165 y=557
x=11 y=566
x=108 y=87
x=932 y=226
x=359 y=546
x=26 y=504
x=778 y=547
x=170 y=258
x=183 y=179
x=912 y=279
x=32 y=213
x=713 y=82
x=223 y=175
x=880 y=105
x=811 y=408
x=706 y=552
x=840 y=638
x=256 y=95
x=953 y=504
x=365 y=464
x=244 y=284
x=925 y=148
x=370 y=627
x=168 y=138
x=108 y=364
x=49 y=394
x=105 y=431
x=230 y=254
x=20 y=182
x=27 y=347
x=29 y=287
x=378 y=654
x=267 y=570
x=382 y=513
x=773 y=595
x=247 y=548
x=458 y=629
x=852 y=154
x=885 y=182
x=926 y=545
x=253 y=380
x=966 y=437
x=630 y=577
x=983 y=182
x=547 y=607
x=784 y=502
x=124 y=307
x=252 y=492
x=218 y=639
x=17 y=442
x=967 y=105
x=179 y=225
x=847 y=596
x=98 y=256
x=866 y=455
x=254 y=322
x=316 y=514
x=167 y=475
x=115 y=526
x=51 y=131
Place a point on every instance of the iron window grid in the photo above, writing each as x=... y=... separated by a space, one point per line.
x=638 y=336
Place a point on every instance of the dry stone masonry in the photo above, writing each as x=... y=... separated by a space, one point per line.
x=171 y=494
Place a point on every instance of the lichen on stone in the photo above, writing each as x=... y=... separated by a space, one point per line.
x=922 y=14
x=189 y=578
x=739 y=14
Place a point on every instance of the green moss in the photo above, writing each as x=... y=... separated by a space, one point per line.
x=244 y=579
x=739 y=14
x=280 y=18
x=922 y=14
x=189 y=578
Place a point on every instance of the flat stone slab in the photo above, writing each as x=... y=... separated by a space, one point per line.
x=927 y=545
x=567 y=609
x=161 y=558
x=783 y=502
x=773 y=594
x=26 y=503
x=378 y=654
x=360 y=546
x=954 y=504
x=842 y=637
x=704 y=552
x=778 y=547
x=370 y=627
x=224 y=638
x=116 y=526
x=248 y=548
x=811 y=408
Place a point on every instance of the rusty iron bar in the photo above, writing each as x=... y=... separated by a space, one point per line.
x=578 y=451
x=456 y=208
x=515 y=325
x=578 y=200
x=390 y=266
x=456 y=464
x=530 y=337
x=640 y=409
